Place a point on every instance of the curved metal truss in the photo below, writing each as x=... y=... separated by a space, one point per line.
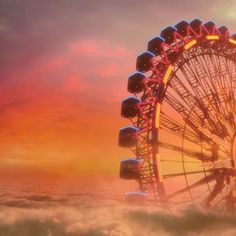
x=183 y=116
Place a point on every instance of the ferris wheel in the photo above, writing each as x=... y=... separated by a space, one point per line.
x=183 y=117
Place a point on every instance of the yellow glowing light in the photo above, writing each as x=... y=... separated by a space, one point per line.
x=212 y=37
x=190 y=44
x=158 y=112
x=167 y=74
x=232 y=41
x=159 y=169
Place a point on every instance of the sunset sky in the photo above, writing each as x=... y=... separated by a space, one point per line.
x=63 y=73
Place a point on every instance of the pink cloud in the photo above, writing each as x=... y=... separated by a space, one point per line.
x=84 y=58
x=56 y=105
x=74 y=84
x=99 y=49
x=57 y=62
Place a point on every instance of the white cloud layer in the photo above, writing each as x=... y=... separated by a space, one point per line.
x=88 y=215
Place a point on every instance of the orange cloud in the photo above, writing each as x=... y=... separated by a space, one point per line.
x=61 y=115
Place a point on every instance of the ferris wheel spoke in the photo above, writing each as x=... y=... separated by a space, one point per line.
x=232 y=76
x=230 y=202
x=227 y=122
x=193 y=80
x=225 y=72
x=176 y=105
x=209 y=178
x=200 y=195
x=182 y=108
x=176 y=161
x=201 y=156
x=203 y=73
x=214 y=126
x=208 y=66
x=222 y=192
x=200 y=110
x=218 y=128
x=185 y=173
x=205 y=86
x=182 y=90
x=199 y=132
x=216 y=121
x=216 y=190
x=174 y=127
x=222 y=98
x=193 y=68
x=225 y=163
x=224 y=86
x=215 y=138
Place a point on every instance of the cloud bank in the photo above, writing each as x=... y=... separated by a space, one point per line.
x=89 y=214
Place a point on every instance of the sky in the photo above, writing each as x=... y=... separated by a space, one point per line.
x=63 y=73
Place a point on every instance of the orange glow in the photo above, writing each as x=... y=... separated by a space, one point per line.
x=158 y=112
x=232 y=41
x=212 y=37
x=159 y=168
x=190 y=44
x=167 y=74
x=55 y=116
